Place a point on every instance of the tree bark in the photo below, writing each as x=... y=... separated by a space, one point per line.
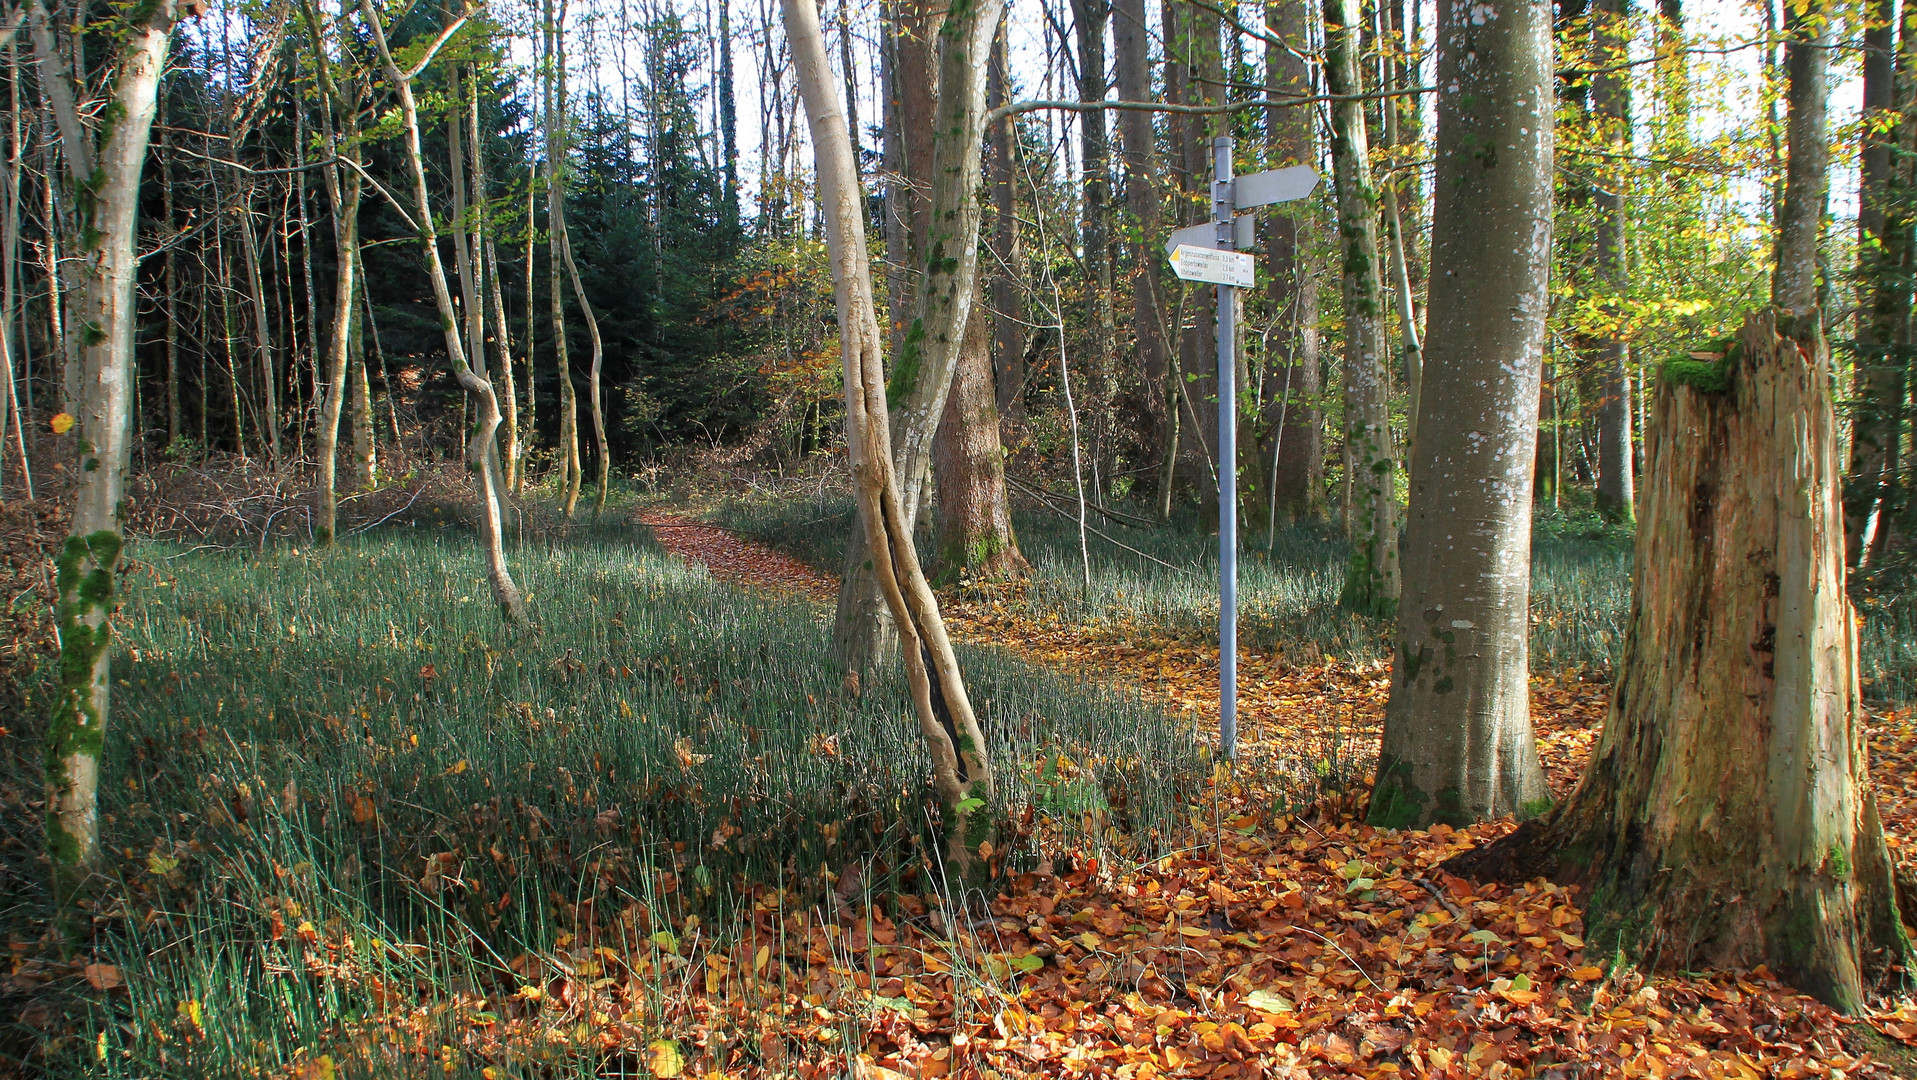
x=1131 y=39
x=975 y=537
x=961 y=768
x=1294 y=443
x=566 y=454
x=1727 y=817
x=1371 y=581
x=481 y=447
x=1611 y=104
x=343 y=193
x=1089 y=21
x=1194 y=74
x=922 y=372
x=1884 y=266
x=1008 y=254
x=104 y=165
x=1458 y=745
x=269 y=418
x=1795 y=285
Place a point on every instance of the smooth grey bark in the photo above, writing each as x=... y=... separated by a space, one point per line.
x=1089 y=21
x=1371 y=580
x=1458 y=745
x=1008 y=254
x=103 y=160
x=1611 y=105
x=1800 y=219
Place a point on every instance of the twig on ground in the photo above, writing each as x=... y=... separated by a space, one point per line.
x=1438 y=894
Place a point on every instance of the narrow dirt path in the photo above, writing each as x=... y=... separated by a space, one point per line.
x=730 y=557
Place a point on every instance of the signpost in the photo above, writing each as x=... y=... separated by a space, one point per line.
x=1208 y=252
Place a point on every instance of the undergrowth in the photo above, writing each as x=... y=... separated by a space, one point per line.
x=338 y=785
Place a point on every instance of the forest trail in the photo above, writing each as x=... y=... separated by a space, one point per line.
x=1325 y=709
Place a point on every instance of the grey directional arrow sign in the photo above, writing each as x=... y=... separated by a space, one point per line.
x=1273 y=186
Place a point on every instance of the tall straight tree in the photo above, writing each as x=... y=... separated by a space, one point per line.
x=1611 y=106
x=104 y=116
x=1733 y=762
x=1795 y=286
x=1458 y=745
x=566 y=454
x=1131 y=38
x=1008 y=286
x=1090 y=19
x=1295 y=440
x=961 y=766
x=1884 y=263
x=482 y=446
x=1371 y=466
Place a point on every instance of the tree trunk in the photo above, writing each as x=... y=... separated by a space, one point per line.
x=1371 y=581
x=1294 y=444
x=481 y=448
x=1458 y=745
x=530 y=438
x=269 y=418
x=1089 y=21
x=1795 y=286
x=1884 y=267
x=1194 y=73
x=975 y=537
x=922 y=372
x=1733 y=761
x=105 y=164
x=961 y=768
x=592 y=386
x=1611 y=104
x=343 y=193
x=1131 y=48
x=566 y=454
x=1008 y=255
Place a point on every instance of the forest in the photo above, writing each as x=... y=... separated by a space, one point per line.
x=1119 y=539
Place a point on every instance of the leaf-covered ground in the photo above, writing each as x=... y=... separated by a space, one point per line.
x=1280 y=944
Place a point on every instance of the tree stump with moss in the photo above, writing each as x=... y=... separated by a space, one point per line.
x=1726 y=818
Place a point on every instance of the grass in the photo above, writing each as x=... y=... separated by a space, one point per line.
x=337 y=782
x=1580 y=582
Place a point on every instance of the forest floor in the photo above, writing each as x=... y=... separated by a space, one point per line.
x=289 y=819
x=1314 y=944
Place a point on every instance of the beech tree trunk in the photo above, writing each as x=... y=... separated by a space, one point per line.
x=1294 y=441
x=1727 y=817
x=1009 y=332
x=1371 y=581
x=975 y=537
x=1800 y=225
x=1131 y=39
x=1884 y=266
x=1458 y=745
x=922 y=370
x=1611 y=105
x=1089 y=21
x=481 y=452
x=961 y=768
x=104 y=162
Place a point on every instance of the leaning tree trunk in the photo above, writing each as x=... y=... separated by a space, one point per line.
x=567 y=452
x=480 y=449
x=975 y=538
x=105 y=164
x=961 y=768
x=592 y=384
x=1733 y=761
x=1371 y=581
x=1458 y=745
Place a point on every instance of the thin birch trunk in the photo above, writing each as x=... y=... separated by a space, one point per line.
x=343 y=193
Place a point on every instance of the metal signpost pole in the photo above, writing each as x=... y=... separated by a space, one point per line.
x=1222 y=210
